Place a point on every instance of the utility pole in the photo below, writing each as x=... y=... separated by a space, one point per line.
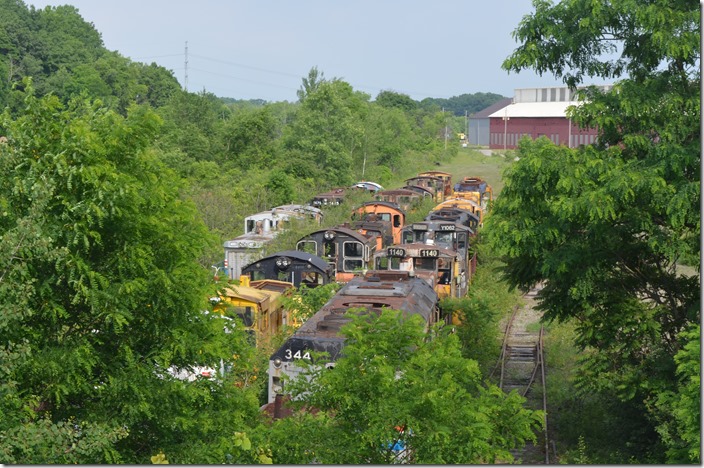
x=443 y=114
x=466 y=124
x=505 y=125
x=185 y=66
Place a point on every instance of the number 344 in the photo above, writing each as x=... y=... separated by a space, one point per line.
x=297 y=355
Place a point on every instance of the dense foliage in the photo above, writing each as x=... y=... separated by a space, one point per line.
x=398 y=384
x=101 y=292
x=464 y=104
x=607 y=227
x=65 y=56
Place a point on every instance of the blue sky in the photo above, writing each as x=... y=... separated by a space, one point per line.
x=261 y=49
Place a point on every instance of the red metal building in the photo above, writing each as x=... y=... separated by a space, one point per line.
x=536 y=112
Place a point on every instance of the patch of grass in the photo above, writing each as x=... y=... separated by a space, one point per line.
x=561 y=360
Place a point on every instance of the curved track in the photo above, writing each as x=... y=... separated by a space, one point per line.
x=521 y=368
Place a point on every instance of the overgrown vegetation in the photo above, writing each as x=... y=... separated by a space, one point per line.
x=605 y=226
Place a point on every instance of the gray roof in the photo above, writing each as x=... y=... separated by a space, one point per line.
x=484 y=113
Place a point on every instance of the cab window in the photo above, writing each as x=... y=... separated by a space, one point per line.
x=243 y=313
x=308 y=246
x=353 y=256
x=427 y=264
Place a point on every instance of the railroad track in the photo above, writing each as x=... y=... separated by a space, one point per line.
x=521 y=368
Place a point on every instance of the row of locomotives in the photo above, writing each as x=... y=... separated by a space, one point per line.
x=259 y=229
x=449 y=232
x=446 y=234
x=368 y=294
x=435 y=185
x=257 y=304
x=445 y=270
x=336 y=196
x=379 y=218
x=474 y=188
x=347 y=251
x=423 y=191
x=446 y=178
x=292 y=266
x=406 y=198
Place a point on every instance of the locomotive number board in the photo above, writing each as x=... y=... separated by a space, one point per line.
x=395 y=252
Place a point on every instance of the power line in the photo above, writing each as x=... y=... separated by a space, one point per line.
x=243 y=79
x=368 y=88
x=156 y=56
x=226 y=62
x=245 y=66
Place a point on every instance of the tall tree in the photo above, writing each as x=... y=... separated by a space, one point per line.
x=326 y=133
x=249 y=136
x=102 y=295
x=608 y=226
x=192 y=123
x=310 y=83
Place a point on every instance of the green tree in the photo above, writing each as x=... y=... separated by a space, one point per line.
x=462 y=104
x=249 y=136
x=102 y=296
x=310 y=83
x=607 y=226
x=388 y=133
x=192 y=124
x=160 y=84
x=280 y=188
x=65 y=55
x=322 y=140
x=394 y=375
x=303 y=303
x=681 y=425
x=393 y=99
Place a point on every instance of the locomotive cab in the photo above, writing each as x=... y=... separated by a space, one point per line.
x=444 y=269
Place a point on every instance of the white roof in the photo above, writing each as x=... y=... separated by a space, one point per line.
x=535 y=109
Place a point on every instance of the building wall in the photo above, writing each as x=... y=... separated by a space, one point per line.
x=478 y=132
x=557 y=129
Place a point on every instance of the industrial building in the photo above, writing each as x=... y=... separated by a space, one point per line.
x=534 y=112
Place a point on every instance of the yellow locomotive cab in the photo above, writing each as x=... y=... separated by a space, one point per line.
x=257 y=304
